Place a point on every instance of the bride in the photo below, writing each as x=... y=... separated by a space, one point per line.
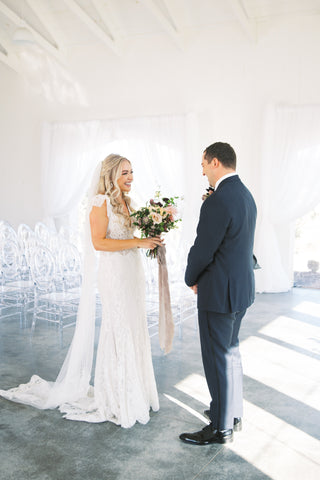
x=124 y=384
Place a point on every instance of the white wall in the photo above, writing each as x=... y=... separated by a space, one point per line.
x=20 y=133
x=222 y=76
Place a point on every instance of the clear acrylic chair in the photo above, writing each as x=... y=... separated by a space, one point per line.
x=43 y=233
x=24 y=233
x=7 y=232
x=57 y=307
x=28 y=242
x=15 y=291
x=69 y=264
x=183 y=300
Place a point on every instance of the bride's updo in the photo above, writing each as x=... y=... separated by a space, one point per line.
x=111 y=170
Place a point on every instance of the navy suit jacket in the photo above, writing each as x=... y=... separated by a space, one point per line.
x=221 y=259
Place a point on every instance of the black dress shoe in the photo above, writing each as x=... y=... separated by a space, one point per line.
x=207 y=435
x=237 y=422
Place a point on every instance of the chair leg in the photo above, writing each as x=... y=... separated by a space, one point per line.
x=34 y=316
x=33 y=324
x=60 y=320
x=180 y=321
x=24 y=309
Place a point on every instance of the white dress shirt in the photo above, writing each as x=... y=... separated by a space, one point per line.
x=227 y=175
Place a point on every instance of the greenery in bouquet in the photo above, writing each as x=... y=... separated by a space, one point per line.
x=157 y=217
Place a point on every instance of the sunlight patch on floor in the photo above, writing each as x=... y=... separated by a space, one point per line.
x=309 y=308
x=282 y=369
x=186 y=407
x=196 y=387
x=275 y=447
x=295 y=332
x=270 y=444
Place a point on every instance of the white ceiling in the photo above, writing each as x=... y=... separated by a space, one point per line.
x=58 y=26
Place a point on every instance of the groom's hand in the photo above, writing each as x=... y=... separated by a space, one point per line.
x=195 y=289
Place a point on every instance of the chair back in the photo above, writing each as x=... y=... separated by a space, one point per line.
x=69 y=262
x=7 y=232
x=24 y=232
x=43 y=232
x=10 y=260
x=42 y=267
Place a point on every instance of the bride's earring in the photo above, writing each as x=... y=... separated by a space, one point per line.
x=111 y=184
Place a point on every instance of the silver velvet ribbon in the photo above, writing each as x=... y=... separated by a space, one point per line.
x=166 y=325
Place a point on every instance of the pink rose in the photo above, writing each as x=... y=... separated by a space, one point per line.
x=172 y=211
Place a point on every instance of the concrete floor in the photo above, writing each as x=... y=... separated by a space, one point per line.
x=281 y=426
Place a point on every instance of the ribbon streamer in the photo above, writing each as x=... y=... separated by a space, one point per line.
x=166 y=324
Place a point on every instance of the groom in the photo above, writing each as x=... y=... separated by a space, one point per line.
x=220 y=270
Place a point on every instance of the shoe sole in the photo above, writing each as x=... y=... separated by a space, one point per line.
x=222 y=442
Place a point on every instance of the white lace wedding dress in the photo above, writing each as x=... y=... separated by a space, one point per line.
x=124 y=384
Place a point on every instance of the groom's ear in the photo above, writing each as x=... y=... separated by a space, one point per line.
x=215 y=162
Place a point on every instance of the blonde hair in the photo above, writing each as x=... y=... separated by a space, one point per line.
x=111 y=169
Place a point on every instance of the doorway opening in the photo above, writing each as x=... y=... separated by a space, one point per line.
x=306 y=263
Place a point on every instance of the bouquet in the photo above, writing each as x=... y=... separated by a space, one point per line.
x=157 y=217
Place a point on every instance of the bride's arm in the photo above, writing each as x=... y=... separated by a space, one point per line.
x=99 y=224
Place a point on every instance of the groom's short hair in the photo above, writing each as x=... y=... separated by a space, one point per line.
x=223 y=152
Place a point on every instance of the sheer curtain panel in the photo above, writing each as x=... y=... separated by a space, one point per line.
x=289 y=187
x=162 y=151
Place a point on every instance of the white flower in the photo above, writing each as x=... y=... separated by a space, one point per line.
x=156 y=217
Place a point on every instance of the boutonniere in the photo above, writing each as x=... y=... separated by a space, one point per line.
x=209 y=191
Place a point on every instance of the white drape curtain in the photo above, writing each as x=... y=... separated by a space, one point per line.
x=70 y=152
x=160 y=149
x=289 y=185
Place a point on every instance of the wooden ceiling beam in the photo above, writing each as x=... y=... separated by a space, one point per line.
x=108 y=15
x=9 y=60
x=170 y=27
x=92 y=25
x=9 y=56
x=45 y=16
x=247 y=25
x=20 y=22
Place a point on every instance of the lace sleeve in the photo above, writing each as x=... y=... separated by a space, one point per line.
x=98 y=200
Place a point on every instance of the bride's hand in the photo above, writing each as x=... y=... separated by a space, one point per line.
x=150 y=243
